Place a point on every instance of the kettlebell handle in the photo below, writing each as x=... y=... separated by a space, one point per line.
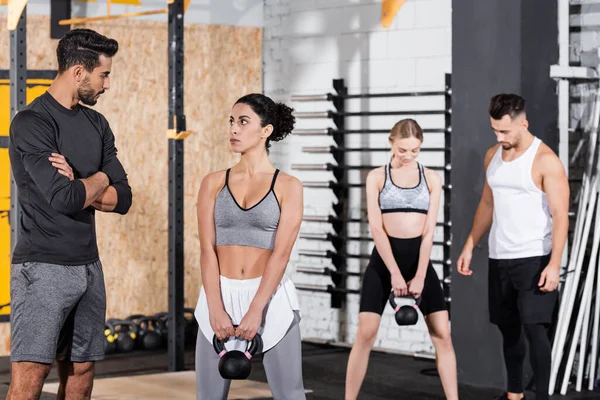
x=124 y=322
x=251 y=347
x=109 y=324
x=135 y=317
x=396 y=307
x=157 y=322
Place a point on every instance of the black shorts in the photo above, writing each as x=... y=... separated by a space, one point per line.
x=513 y=292
x=377 y=281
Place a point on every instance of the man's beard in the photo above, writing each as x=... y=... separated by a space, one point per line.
x=86 y=93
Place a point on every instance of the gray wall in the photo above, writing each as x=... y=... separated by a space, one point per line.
x=497 y=46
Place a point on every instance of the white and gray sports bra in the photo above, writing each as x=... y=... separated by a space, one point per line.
x=394 y=198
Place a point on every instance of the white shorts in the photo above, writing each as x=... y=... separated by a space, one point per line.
x=237 y=294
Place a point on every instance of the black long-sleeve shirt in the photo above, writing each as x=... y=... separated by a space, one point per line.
x=54 y=225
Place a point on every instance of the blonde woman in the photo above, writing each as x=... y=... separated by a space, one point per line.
x=403 y=200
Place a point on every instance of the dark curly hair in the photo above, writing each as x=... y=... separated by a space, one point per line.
x=83 y=47
x=506 y=103
x=277 y=114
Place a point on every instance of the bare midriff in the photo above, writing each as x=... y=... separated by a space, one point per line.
x=404 y=225
x=242 y=262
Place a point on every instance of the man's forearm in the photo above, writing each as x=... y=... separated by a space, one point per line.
x=560 y=230
x=115 y=198
x=94 y=186
x=107 y=200
x=481 y=224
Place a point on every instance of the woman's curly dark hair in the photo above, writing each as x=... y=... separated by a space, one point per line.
x=277 y=114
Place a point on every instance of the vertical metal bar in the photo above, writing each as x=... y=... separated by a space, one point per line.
x=563 y=142
x=341 y=209
x=176 y=117
x=447 y=193
x=18 y=101
x=563 y=12
x=59 y=10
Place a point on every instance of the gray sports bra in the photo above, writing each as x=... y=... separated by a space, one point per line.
x=255 y=226
x=394 y=198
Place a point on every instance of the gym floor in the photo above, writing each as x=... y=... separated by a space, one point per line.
x=389 y=377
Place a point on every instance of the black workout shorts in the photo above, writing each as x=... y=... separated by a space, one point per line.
x=377 y=281
x=513 y=292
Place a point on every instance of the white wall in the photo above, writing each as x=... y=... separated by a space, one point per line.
x=221 y=12
x=308 y=43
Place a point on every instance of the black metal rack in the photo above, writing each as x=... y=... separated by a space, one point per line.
x=18 y=89
x=448 y=182
x=176 y=325
x=18 y=101
x=339 y=219
x=340 y=208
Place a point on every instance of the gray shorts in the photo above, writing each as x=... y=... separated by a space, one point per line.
x=57 y=312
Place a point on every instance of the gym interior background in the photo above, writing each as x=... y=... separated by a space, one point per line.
x=438 y=60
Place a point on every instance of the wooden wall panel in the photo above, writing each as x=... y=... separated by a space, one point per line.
x=222 y=63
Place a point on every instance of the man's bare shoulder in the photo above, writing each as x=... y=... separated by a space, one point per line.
x=547 y=159
x=545 y=152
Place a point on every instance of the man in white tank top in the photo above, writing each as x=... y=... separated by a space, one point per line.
x=524 y=205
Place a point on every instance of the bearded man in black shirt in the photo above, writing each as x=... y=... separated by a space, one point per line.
x=64 y=161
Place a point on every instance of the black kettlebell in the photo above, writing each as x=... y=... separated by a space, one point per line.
x=164 y=318
x=110 y=335
x=127 y=334
x=150 y=333
x=405 y=315
x=135 y=318
x=236 y=364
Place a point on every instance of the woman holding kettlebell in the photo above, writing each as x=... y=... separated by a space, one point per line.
x=403 y=199
x=248 y=220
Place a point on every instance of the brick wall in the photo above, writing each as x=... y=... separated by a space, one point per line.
x=307 y=44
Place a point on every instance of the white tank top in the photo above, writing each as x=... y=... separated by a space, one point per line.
x=522 y=223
